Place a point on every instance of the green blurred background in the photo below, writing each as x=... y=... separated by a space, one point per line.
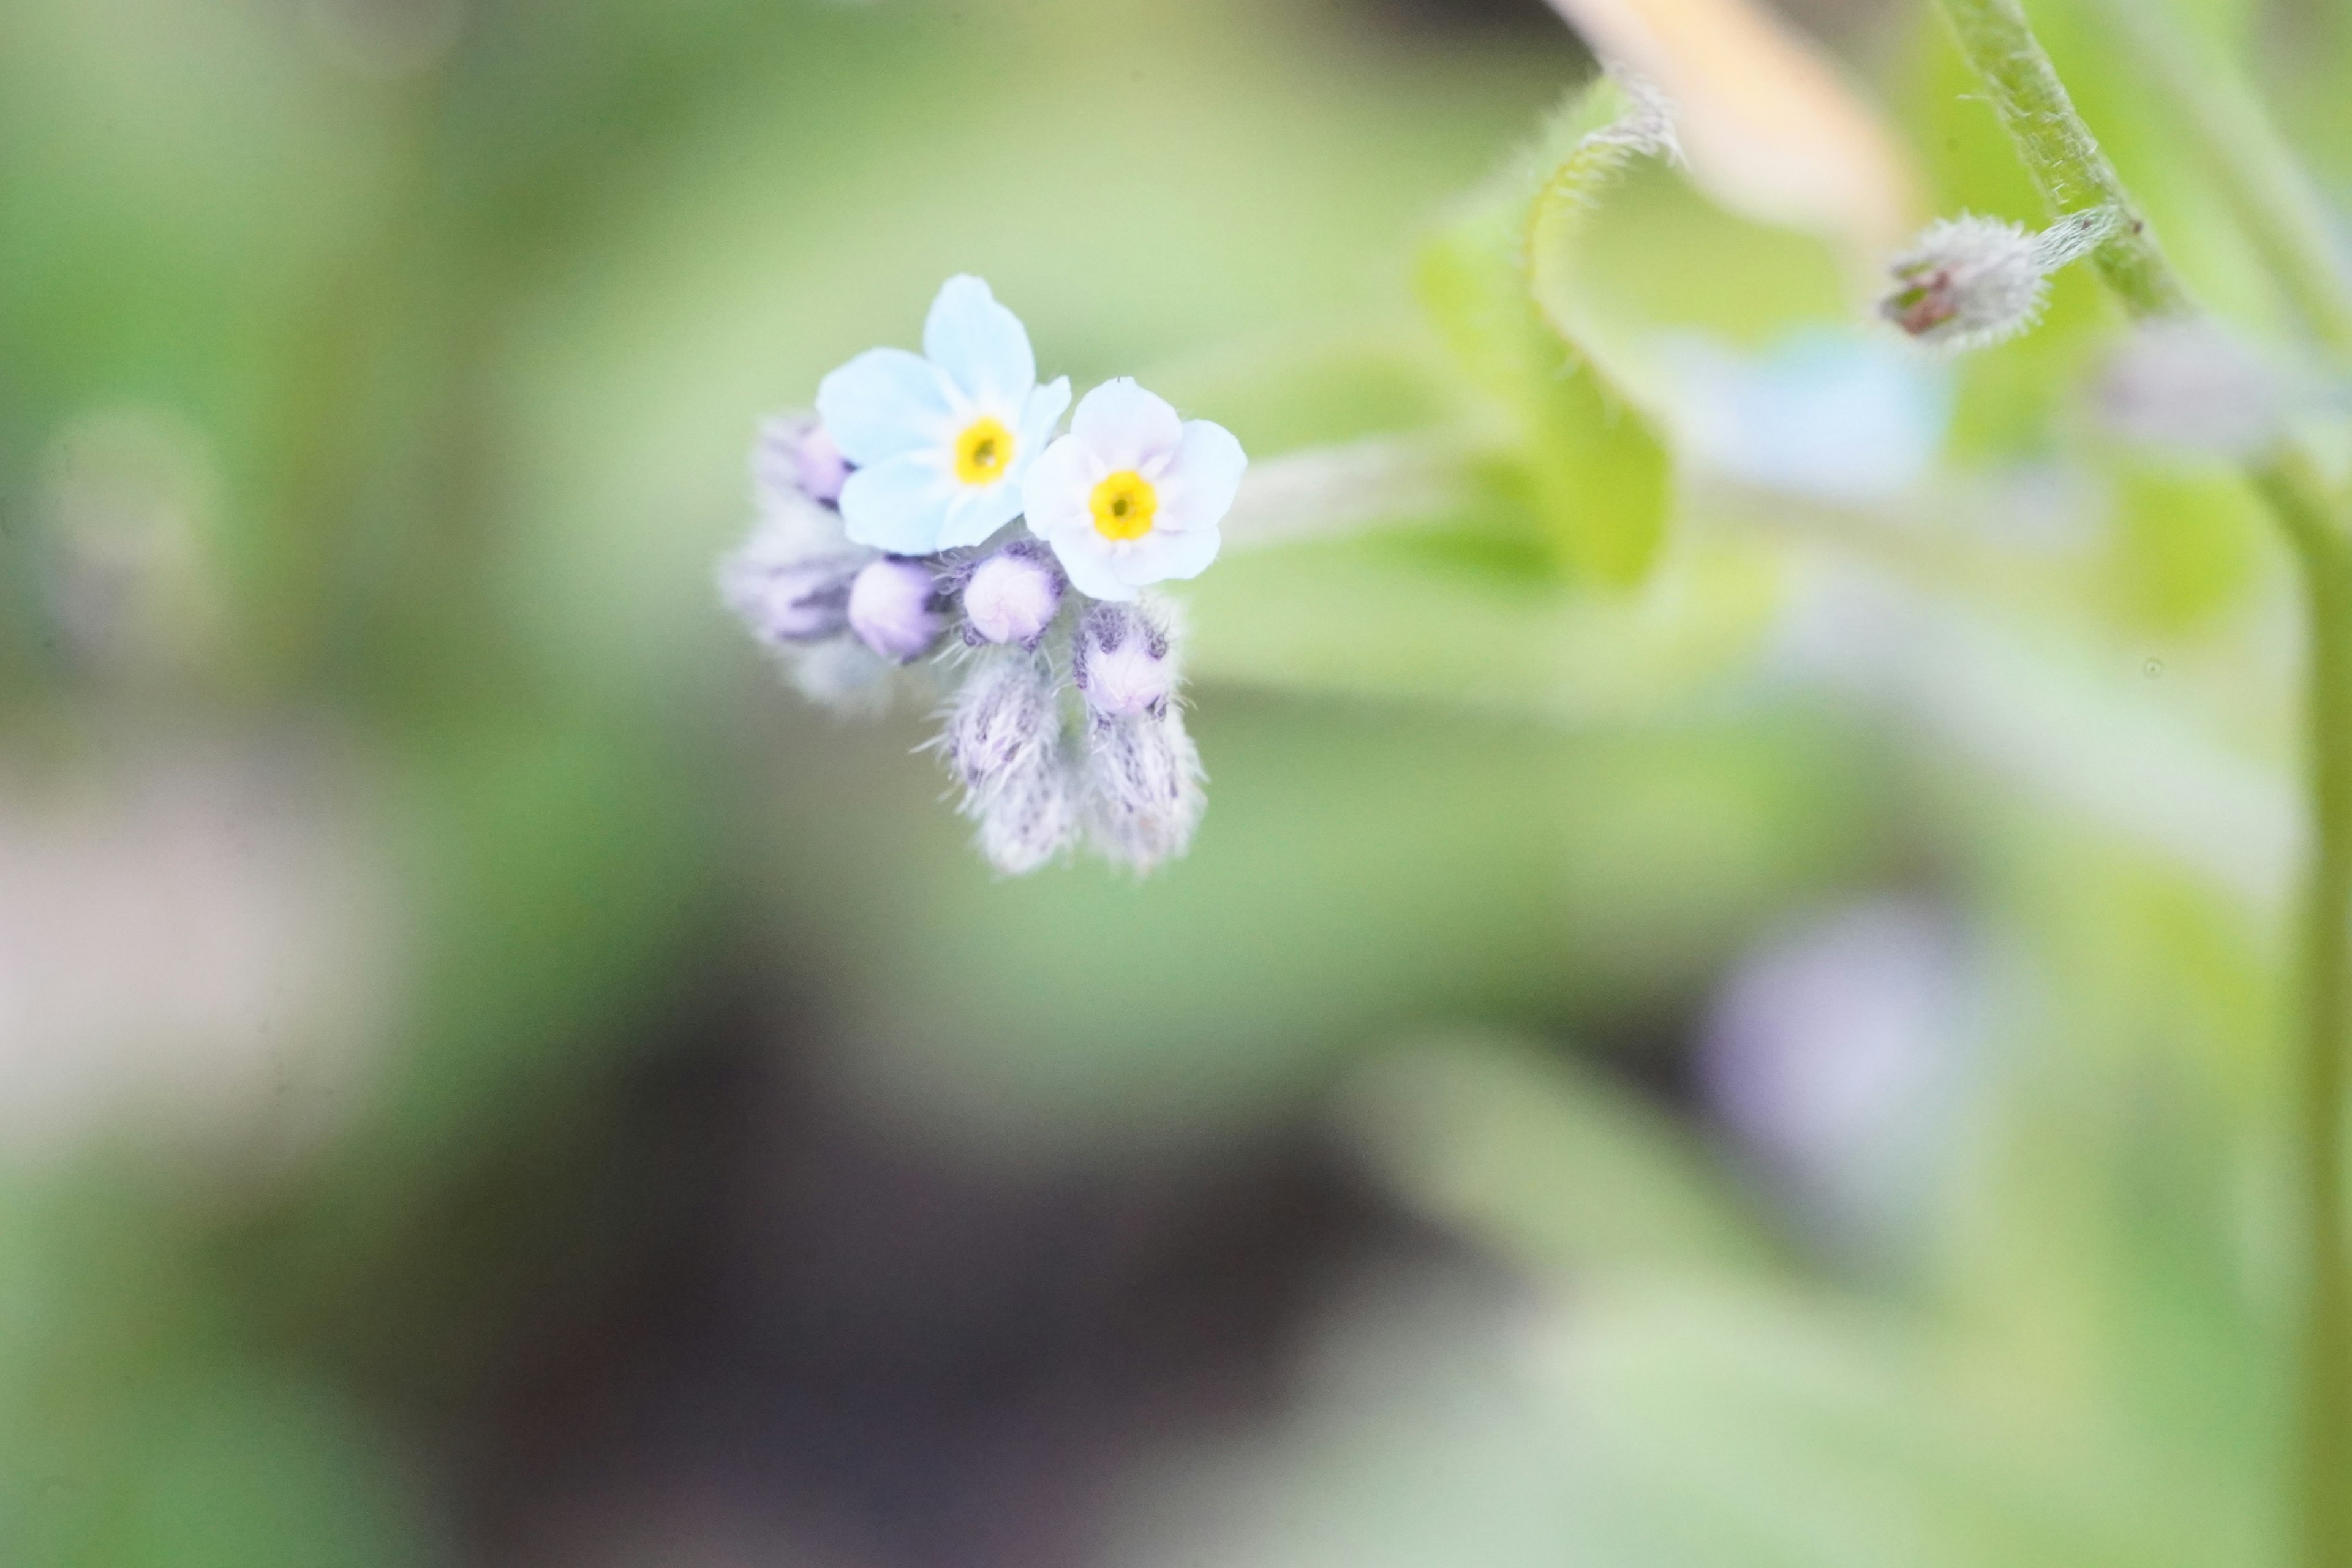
x=1772 y=1064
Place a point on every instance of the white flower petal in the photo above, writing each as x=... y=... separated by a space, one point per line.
x=1196 y=490
x=1160 y=556
x=1057 y=487
x=979 y=345
x=977 y=512
x=1085 y=558
x=900 y=505
x=1125 y=424
x=1038 y=416
x=882 y=403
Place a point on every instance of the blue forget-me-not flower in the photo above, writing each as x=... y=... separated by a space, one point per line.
x=939 y=440
x=1058 y=677
x=1132 y=494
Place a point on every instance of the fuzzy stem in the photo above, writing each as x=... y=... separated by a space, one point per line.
x=2326 y=1479
x=2060 y=151
x=2276 y=202
x=2314 y=526
x=2066 y=163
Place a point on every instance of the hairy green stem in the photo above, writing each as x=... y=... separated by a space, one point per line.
x=2072 y=172
x=2061 y=154
x=2326 y=1361
x=2275 y=201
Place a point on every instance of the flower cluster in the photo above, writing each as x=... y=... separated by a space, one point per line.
x=873 y=553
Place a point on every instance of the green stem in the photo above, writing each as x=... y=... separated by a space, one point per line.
x=2060 y=151
x=2249 y=161
x=2066 y=163
x=2327 y=961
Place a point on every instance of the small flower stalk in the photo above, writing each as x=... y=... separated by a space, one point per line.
x=1001 y=721
x=873 y=566
x=1143 y=788
x=1970 y=282
x=1143 y=775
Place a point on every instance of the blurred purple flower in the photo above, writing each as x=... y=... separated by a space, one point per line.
x=1834 y=1053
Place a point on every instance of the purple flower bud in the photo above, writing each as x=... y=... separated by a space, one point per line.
x=894 y=607
x=1013 y=595
x=1004 y=717
x=796 y=456
x=824 y=471
x=798 y=603
x=1003 y=744
x=1143 y=789
x=784 y=591
x=1124 y=659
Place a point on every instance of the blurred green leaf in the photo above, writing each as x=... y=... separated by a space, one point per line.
x=1546 y=1161
x=2186 y=545
x=1501 y=286
x=1460 y=618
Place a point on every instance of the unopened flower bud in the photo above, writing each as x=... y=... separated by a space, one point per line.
x=793 y=602
x=822 y=470
x=1012 y=595
x=1002 y=719
x=1143 y=789
x=1031 y=817
x=894 y=607
x=795 y=454
x=1124 y=660
x=1972 y=281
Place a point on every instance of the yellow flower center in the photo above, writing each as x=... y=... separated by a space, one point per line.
x=1123 y=505
x=984 y=452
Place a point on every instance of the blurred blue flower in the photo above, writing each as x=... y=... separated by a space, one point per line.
x=1827 y=416
x=1132 y=495
x=939 y=440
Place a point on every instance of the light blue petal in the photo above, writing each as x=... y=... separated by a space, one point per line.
x=899 y=506
x=1038 y=418
x=979 y=510
x=1197 y=488
x=883 y=403
x=979 y=345
x=1164 y=555
x=1088 y=565
x=1126 y=425
x=1056 y=487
